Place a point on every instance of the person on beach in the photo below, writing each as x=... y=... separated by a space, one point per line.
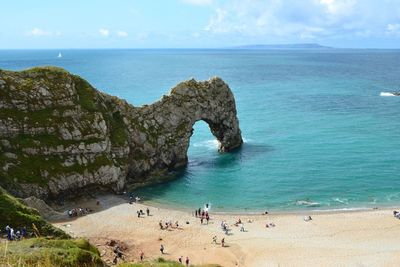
x=214 y=239
x=199 y=211
x=148 y=211
x=161 y=225
x=180 y=259
x=201 y=220
x=187 y=261
x=223 y=242
x=162 y=249
x=238 y=222
x=195 y=213
x=141 y=255
x=241 y=227
x=138 y=214
x=207 y=218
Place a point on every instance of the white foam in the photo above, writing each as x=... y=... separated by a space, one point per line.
x=307 y=203
x=213 y=143
x=210 y=144
x=386 y=94
x=343 y=201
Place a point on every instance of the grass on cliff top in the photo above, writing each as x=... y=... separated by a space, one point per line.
x=45 y=253
x=15 y=213
x=161 y=262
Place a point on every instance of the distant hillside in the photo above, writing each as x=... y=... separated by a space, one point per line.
x=283 y=46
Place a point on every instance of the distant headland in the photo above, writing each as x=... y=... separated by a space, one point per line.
x=282 y=46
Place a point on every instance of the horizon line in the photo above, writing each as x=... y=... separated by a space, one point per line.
x=241 y=47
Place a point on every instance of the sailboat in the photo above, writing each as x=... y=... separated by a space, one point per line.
x=59 y=55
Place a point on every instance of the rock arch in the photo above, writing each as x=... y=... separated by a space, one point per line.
x=174 y=116
x=58 y=134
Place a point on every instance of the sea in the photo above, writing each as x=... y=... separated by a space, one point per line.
x=321 y=128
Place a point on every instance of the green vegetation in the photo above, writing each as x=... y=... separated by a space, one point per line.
x=87 y=96
x=118 y=130
x=30 y=168
x=57 y=249
x=16 y=214
x=160 y=262
x=49 y=252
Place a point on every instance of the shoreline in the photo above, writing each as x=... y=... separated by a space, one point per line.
x=277 y=211
x=350 y=238
x=157 y=205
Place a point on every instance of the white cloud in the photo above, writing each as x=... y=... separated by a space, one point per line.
x=122 y=33
x=198 y=2
x=293 y=20
x=104 y=32
x=339 y=7
x=40 y=32
x=393 y=29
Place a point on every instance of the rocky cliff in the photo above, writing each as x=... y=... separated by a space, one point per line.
x=59 y=135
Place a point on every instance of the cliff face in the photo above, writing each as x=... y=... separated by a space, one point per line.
x=58 y=134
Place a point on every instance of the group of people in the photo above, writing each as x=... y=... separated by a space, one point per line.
x=162 y=250
x=203 y=215
x=187 y=261
x=214 y=240
x=133 y=199
x=168 y=225
x=15 y=234
x=140 y=212
x=78 y=212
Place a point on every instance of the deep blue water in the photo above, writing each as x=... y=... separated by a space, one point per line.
x=317 y=132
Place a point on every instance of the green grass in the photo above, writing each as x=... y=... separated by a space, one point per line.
x=16 y=214
x=118 y=132
x=86 y=93
x=49 y=252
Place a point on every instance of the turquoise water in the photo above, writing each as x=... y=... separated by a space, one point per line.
x=318 y=135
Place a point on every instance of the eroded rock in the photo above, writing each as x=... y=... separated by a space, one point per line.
x=61 y=135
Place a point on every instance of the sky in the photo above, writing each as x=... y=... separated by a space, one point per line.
x=42 y=24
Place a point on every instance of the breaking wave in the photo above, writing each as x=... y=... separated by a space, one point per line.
x=386 y=94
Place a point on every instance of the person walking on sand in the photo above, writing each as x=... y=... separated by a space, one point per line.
x=141 y=255
x=207 y=217
x=223 y=242
x=162 y=249
x=148 y=211
x=201 y=220
x=187 y=261
x=180 y=259
x=214 y=239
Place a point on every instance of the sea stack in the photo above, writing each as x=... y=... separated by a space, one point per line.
x=59 y=135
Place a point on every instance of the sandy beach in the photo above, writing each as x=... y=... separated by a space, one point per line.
x=362 y=238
